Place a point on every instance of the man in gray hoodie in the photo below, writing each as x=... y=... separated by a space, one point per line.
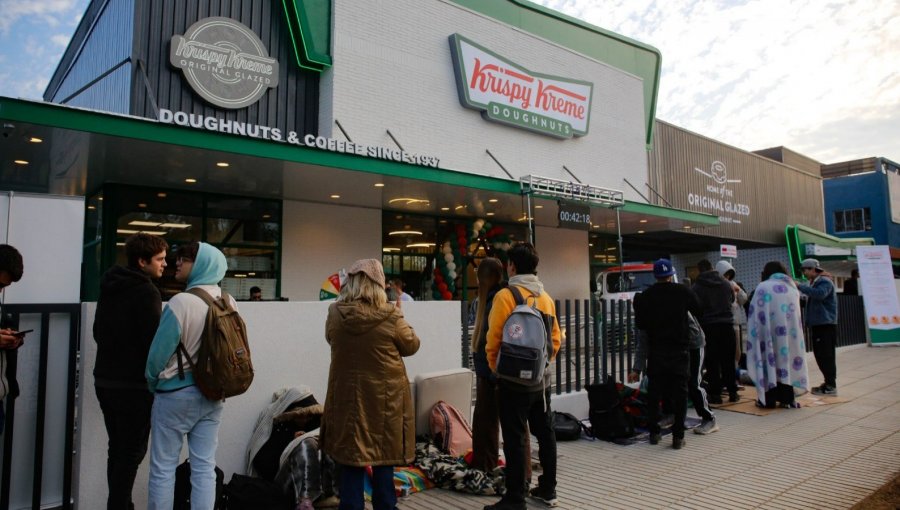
x=717 y=320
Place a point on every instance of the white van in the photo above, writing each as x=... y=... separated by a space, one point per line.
x=623 y=282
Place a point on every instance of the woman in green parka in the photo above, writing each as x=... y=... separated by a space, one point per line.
x=369 y=418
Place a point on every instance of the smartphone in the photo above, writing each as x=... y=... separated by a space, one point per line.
x=22 y=333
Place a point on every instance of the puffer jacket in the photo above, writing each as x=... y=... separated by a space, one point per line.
x=716 y=296
x=369 y=418
x=821 y=302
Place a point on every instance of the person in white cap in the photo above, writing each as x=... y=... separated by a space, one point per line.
x=821 y=319
x=724 y=268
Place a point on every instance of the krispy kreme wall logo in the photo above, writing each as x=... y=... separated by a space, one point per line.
x=510 y=94
x=224 y=62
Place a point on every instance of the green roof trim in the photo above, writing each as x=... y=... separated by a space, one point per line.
x=668 y=212
x=63 y=117
x=798 y=235
x=639 y=59
x=309 y=25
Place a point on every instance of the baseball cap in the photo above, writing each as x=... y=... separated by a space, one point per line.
x=811 y=264
x=663 y=268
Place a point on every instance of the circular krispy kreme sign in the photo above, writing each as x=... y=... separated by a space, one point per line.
x=224 y=62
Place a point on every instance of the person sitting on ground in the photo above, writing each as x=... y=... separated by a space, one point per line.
x=776 y=354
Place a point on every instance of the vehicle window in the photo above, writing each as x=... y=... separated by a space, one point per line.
x=633 y=282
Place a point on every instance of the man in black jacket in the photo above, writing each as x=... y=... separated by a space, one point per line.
x=128 y=313
x=716 y=296
x=661 y=311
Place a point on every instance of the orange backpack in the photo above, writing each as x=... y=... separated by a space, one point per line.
x=450 y=430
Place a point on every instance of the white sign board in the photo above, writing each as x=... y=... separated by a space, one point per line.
x=876 y=280
x=728 y=251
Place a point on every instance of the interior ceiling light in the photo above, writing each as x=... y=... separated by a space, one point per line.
x=460 y=207
x=174 y=225
x=125 y=231
x=190 y=180
x=100 y=198
x=35 y=139
x=409 y=201
x=223 y=164
x=154 y=232
x=640 y=231
x=445 y=208
x=139 y=223
x=379 y=184
x=420 y=245
x=490 y=214
x=538 y=207
x=335 y=196
x=120 y=244
x=20 y=162
x=643 y=221
x=266 y=216
x=389 y=250
x=493 y=200
x=92 y=207
x=687 y=227
x=142 y=205
x=405 y=233
x=161 y=195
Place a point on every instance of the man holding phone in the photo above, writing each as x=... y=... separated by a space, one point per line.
x=11 y=269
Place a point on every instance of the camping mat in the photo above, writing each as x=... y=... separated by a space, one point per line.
x=747 y=403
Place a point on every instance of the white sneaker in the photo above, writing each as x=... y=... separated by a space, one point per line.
x=706 y=427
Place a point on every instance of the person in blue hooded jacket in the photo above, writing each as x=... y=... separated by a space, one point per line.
x=179 y=408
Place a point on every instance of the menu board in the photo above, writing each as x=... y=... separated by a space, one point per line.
x=876 y=280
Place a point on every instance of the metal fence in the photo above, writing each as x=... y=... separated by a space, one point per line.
x=42 y=314
x=585 y=358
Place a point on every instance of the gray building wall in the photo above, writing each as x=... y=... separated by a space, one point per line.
x=755 y=197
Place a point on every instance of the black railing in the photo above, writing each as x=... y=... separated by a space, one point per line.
x=13 y=314
x=599 y=340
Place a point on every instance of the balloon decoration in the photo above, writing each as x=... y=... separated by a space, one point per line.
x=331 y=287
x=453 y=254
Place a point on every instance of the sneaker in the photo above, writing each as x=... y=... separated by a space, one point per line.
x=706 y=427
x=678 y=443
x=654 y=438
x=547 y=498
x=824 y=389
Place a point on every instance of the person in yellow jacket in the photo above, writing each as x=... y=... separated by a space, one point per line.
x=520 y=404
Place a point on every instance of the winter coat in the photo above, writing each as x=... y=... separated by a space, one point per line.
x=821 y=302
x=369 y=418
x=716 y=296
x=479 y=355
x=127 y=316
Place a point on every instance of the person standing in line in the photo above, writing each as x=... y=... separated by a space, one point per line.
x=397 y=285
x=179 y=408
x=368 y=418
x=716 y=296
x=128 y=312
x=661 y=312
x=776 y=354
x=821 y=319
x=851 y=285
x=520 y=405
x=255 y=293
x=11 y=270
x=724 y=268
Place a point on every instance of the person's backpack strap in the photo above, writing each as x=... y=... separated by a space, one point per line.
x=181 y=349
x=517 y=295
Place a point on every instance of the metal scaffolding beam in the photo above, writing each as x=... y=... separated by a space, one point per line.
x=557 y=188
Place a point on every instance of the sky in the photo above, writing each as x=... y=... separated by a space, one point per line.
x=817 y=76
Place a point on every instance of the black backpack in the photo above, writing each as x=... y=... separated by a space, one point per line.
x=183 y=487
x=609 y=420
x=249 y=493
x=567 y=427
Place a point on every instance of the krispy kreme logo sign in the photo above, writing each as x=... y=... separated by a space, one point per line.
x=224 y=62
x=508 y=93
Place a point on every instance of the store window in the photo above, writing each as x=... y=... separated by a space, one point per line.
x=424 y=251
x=853 y=220
x=247 y=230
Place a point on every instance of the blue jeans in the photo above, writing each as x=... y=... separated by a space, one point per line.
x=352 y=488
x=176 y=414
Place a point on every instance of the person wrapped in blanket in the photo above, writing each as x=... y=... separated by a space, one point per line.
x=776 y=352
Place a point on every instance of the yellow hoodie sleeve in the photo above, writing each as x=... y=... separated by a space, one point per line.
x=503 y=305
